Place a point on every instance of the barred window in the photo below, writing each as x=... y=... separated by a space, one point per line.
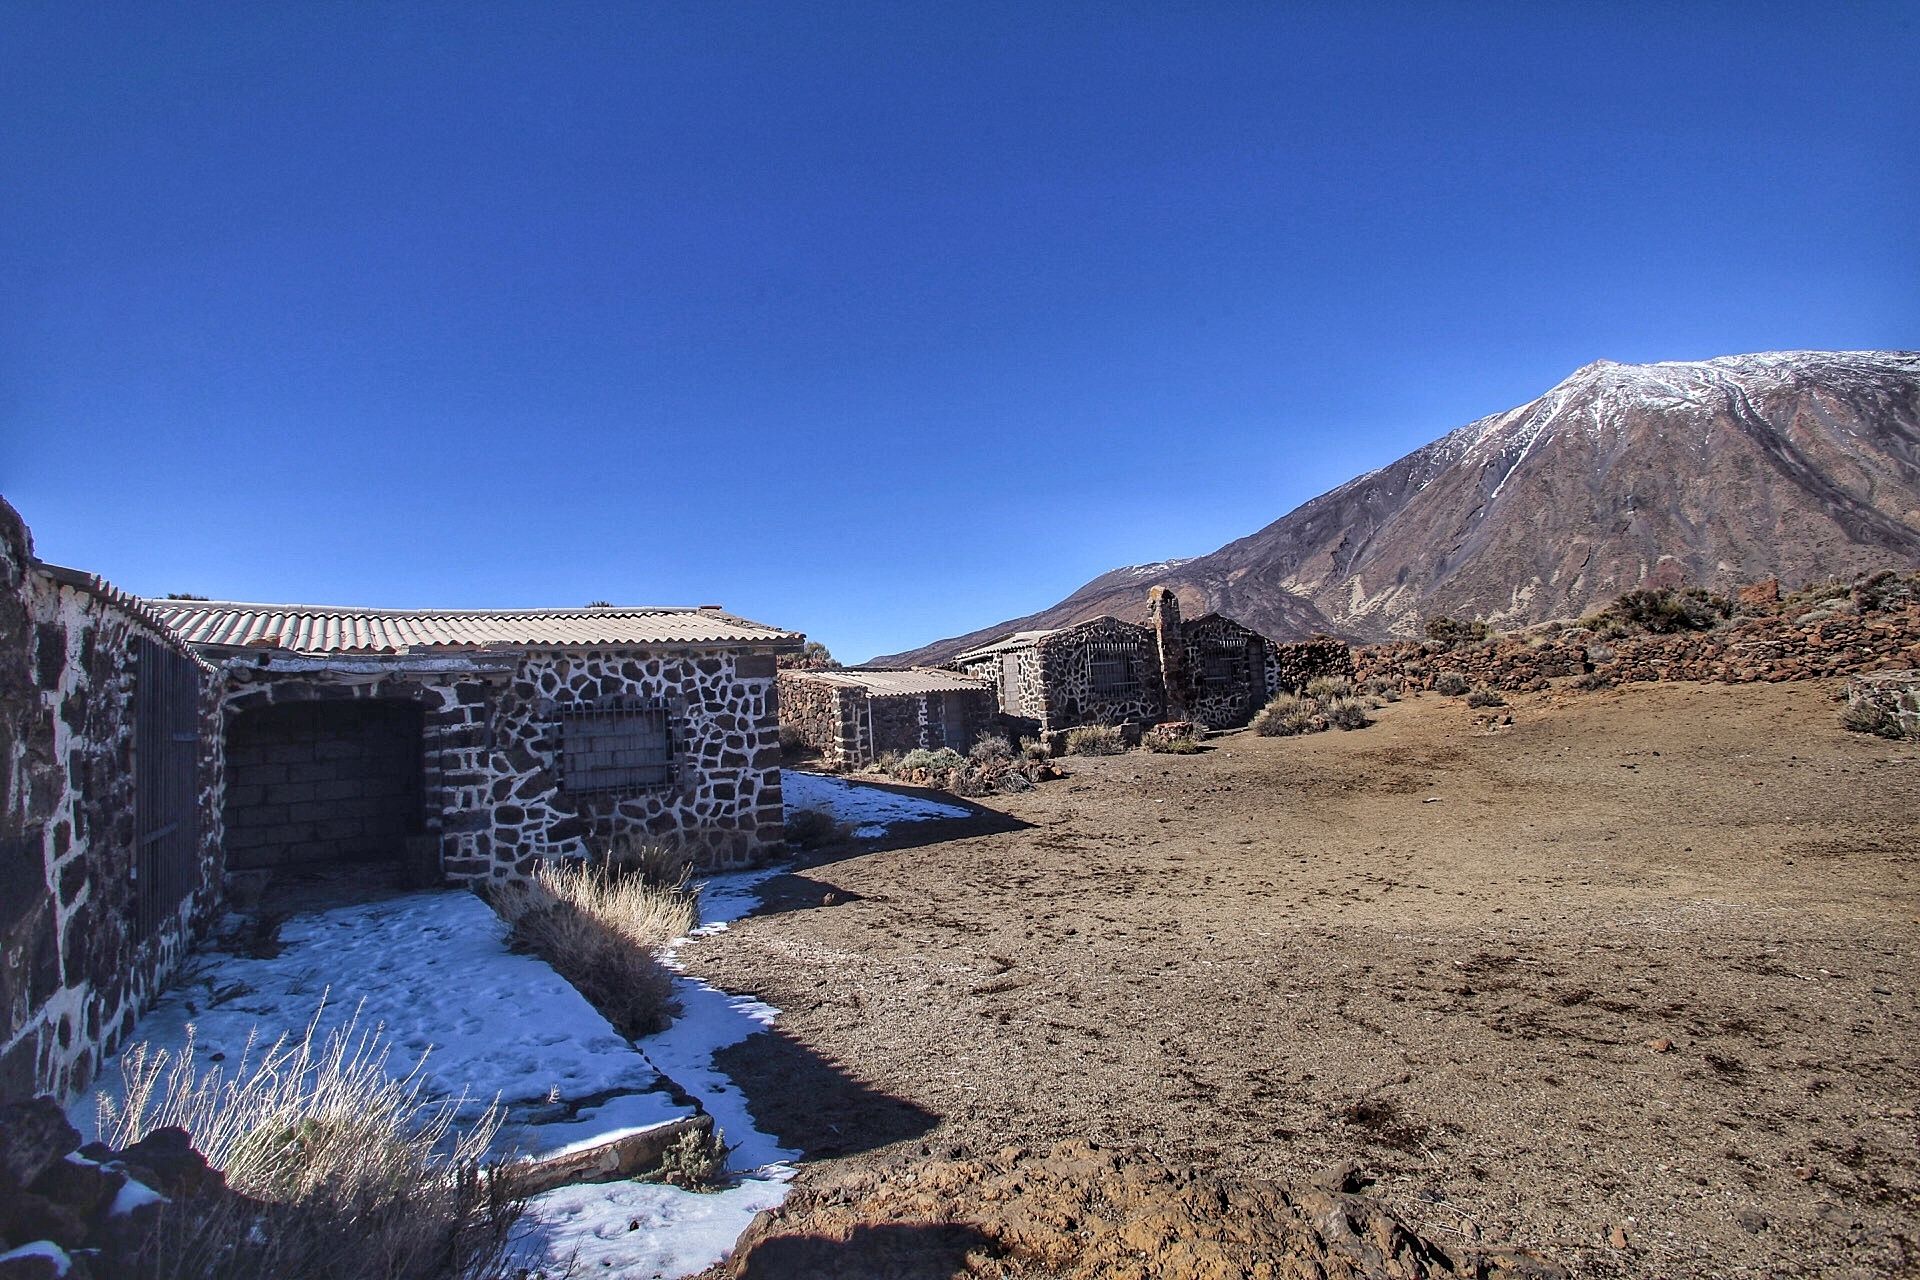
x=1223 y=665
x=626 y=745
x=1112 y=675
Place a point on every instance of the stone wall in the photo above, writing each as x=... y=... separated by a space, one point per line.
x=1226 y=664
x=1290 y=667
x=75 y=968
x=1895 y=693
x=490 y=780
x=819 y=712
x=1068 y=695
x=1799 y=643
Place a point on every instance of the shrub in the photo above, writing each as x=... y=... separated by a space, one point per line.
x=1034 y=749
x=990 y=747
x=794 y=744
x=1666 y=611
x=814 y=828
x=1452 y=634
x=1168 y=742
x=1345 y=713
x=349 y=1171
x=1285 y=716
x=1095 y=740
x=1484 y=697
x=696 y=1161
x=1871 y=717
x=1329 y=687
x=1450 y=683
x=659 y=864
x=601 y=931
x=921 y=760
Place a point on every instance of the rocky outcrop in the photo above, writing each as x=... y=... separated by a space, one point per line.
x=80 y=1212
x=1083 y=1211
x=1809 y=641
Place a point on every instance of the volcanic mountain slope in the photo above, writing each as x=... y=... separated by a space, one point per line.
x=1800 y=464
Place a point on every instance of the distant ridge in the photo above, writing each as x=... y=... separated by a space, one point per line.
x=1796 y=464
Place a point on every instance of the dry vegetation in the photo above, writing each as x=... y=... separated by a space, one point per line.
x=602 y=925
x=344 y=1170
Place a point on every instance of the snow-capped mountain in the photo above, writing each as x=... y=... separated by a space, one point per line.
x=1801 y=464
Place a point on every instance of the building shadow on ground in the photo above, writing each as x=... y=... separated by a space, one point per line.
x=881 y=1251
x=811 y=1104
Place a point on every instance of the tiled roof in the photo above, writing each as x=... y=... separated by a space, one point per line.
x=1018 y=640
x=302 y=628
x=886 y=684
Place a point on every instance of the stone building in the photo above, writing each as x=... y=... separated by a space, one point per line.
x=1211 y=670
x=854 y=717
x=1102 y=671
x=471 y=744
x=110 y=836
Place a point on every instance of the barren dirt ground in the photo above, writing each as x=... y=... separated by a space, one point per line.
x=1631 y=982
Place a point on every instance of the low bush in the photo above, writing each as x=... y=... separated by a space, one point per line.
x=344 y=1170
x=1345 y=713
x=1170 y=742
x=814 y=829
x=794 y=745
x=1666 y=611
x=1034 y=749
x=990 y=747
x=921 y=760
x=1484 y=697
x=1451 y=683
x=660 y=864
x=697 y=1160
x=602 y=930
x=1453 y=633
x=1329 y=687
x=1869 y=717
x=1095 y=740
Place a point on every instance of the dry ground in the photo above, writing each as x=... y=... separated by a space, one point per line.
x=1632 y=982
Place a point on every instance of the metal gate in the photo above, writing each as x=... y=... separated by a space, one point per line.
x=166 y=765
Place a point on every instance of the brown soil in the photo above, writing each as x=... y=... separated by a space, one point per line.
x=1631 y=982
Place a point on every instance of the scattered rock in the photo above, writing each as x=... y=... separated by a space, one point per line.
x=1662 y=1045
x=1345 y=1177
x=1748 y=1218
x=1617 y=1237
x=33 y=1135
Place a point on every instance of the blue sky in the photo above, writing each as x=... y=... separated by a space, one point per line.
x=882 y=322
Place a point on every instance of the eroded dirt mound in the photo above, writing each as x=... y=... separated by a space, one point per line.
x=1084 y=1211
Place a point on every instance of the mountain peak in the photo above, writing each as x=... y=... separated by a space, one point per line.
x=1796 y=464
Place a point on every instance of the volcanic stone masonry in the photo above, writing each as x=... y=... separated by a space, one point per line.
x=98 y=895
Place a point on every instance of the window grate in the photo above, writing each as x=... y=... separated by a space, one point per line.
x=624 y=745
x=1112 y=670
x=1223 y=665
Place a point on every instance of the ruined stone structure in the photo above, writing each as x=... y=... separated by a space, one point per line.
x=1212 y=670
x=110 y=836
x=854 y=717
x=1895 y=693
x=476 y=743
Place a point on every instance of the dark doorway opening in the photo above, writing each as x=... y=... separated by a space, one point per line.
x=316 y=784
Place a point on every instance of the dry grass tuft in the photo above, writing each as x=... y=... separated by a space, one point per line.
x=601 y=928
x=343 y=1169
x=1095 y=740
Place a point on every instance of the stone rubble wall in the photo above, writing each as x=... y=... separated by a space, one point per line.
x=820 y=713
x=1799 y=644
x=1896 y=693
x=73 y=975
x=1232 y=703
x=1291 y=667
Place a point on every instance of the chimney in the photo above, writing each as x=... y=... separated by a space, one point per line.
x=1163 y=617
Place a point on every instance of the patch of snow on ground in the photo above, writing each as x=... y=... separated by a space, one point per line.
x=871 y=810
x=433 y=970
x=638 y=1230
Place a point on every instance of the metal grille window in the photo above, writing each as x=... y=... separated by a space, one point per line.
x=626 y=745
x=1224 y=665
x=166 y=763
x=1111 y=671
